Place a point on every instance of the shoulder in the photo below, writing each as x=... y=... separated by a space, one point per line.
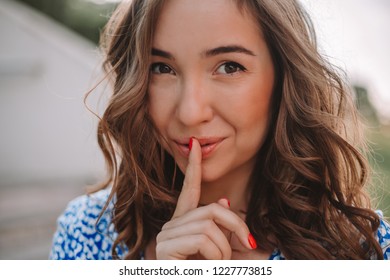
x=81 y=232
x=87 y=208
x=83 y=212
x=383 y=236
x=276 y=255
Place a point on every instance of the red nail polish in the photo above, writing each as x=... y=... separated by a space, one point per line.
x=252 y=241
x=190 y=143
x=228 y=201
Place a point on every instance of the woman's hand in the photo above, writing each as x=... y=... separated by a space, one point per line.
x=202 y=230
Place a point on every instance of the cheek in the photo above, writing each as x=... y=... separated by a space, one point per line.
x=155 y=114
x=254 y=125
x=162 y=94
x=254 y=103
x=157 y=109
x=253 y=113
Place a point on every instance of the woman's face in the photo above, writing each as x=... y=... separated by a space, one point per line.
x=212 y=78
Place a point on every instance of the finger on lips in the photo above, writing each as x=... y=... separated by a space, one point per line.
x=190 y=193
x=202 y=230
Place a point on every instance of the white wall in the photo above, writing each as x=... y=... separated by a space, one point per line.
x=355 y=35
x=46 y=133
x=48 y=151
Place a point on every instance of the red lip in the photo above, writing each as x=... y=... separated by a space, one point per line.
x=208 y=145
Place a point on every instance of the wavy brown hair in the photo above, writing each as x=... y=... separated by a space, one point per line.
x=307 y=187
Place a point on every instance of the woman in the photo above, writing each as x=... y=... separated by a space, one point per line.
x=227 y=137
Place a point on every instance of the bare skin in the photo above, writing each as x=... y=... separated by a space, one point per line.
x=216 y=90
x=211 y=232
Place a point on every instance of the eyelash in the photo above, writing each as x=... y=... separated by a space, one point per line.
x=168 y=70
x=159 y=64
x=238 y=67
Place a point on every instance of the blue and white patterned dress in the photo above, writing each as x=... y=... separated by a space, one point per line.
x=79 y=237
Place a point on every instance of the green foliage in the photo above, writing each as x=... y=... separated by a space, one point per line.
x=379 y=139
x=378 y=135
x=364 y=105
x=86 y=18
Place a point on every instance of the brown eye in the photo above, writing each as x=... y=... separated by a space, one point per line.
x=230 y=68
x=161 y=68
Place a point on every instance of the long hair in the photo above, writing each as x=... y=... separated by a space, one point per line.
x=307 y=187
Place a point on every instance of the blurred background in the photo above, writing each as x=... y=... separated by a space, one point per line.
x=49 y=59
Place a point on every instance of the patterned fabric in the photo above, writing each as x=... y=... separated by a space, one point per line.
x=82 y=235
x=78 y=234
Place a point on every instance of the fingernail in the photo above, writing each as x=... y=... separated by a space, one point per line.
x=190 y=143
x=252 y=241
x=228 y=201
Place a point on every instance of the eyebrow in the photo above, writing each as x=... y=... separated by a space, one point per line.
x=228 y=49
x=164 y=54
x=208 y=53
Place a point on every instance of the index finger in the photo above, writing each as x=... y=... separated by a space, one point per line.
x=190 y=192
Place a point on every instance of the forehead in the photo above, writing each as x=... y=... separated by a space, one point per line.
x=212 y=21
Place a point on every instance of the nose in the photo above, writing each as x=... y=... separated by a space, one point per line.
x=194 y=103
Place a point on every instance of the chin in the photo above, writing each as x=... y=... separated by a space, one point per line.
x=209 y=176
